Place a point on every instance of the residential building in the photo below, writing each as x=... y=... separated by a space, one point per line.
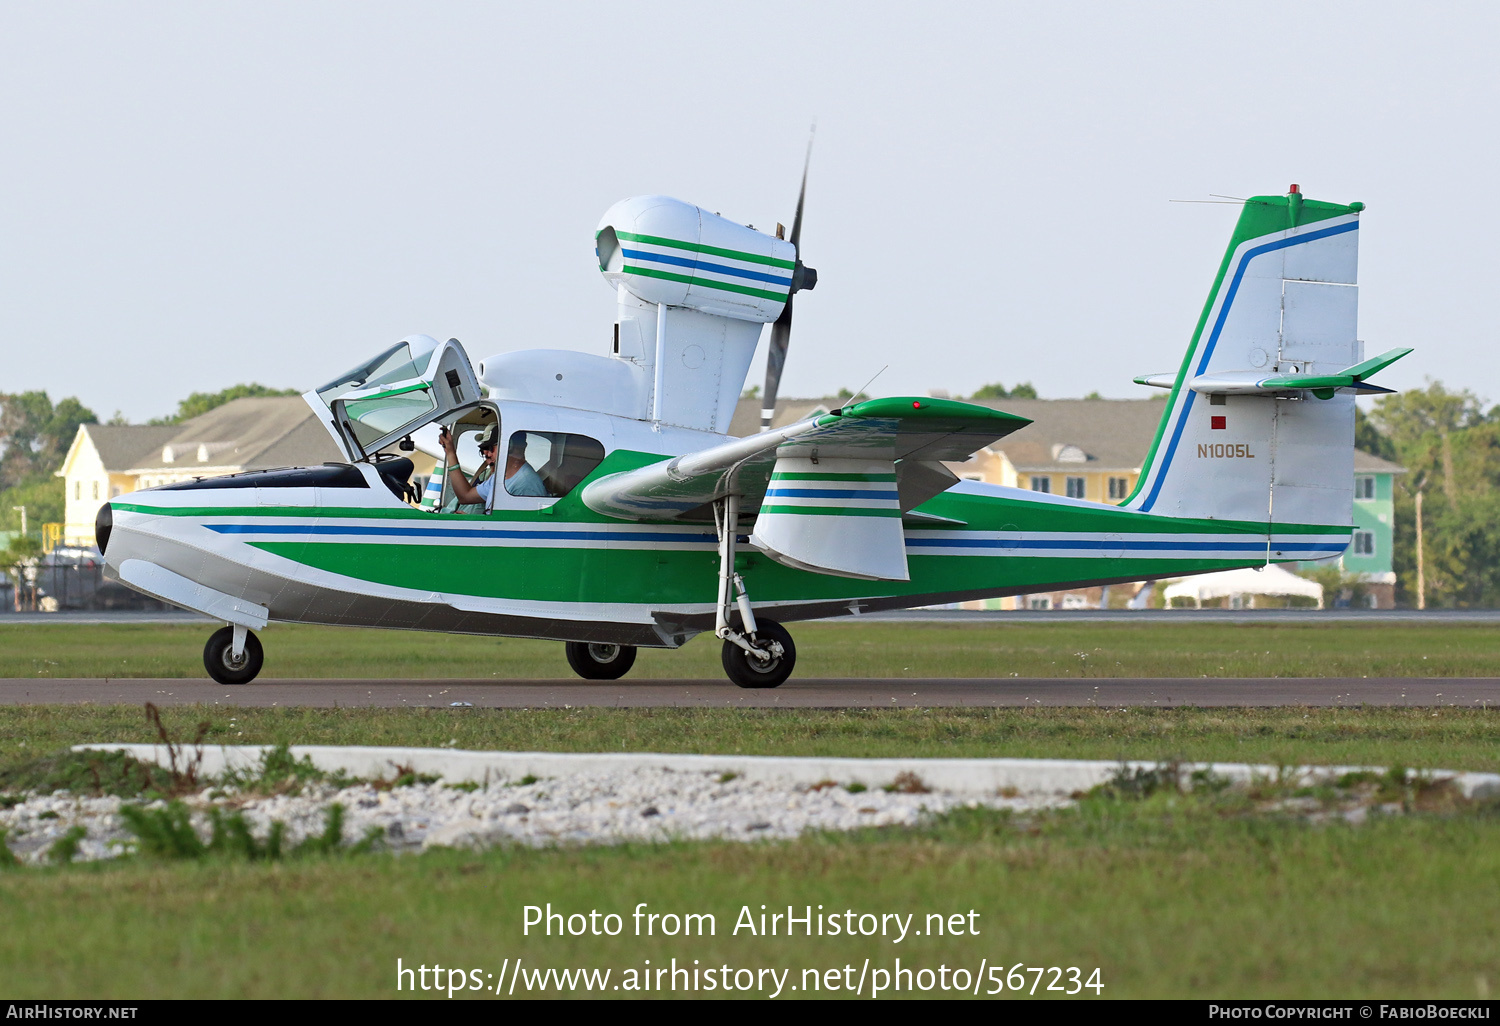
x=106 y=461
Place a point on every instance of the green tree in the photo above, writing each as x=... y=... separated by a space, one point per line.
x=35 y=435
x=44 y=498
x=995 y=390
x=1451 y=449
x=201 y=402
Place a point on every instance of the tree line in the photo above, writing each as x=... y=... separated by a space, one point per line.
x=35 y=434
x=1450 y=447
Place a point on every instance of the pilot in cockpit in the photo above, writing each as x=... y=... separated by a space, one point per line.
x=473 y=496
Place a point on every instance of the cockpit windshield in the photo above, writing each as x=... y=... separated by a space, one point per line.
x=407 y=386
x=404 y=361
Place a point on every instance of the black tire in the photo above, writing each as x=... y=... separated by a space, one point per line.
x=221 y=665
x=749 y=672
x=593 y=661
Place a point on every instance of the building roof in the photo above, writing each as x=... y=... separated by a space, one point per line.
x=121 y=446
x=1064 y=434
x=746 y=419
x=253 y=433
x=1079 y=434
x=1368 y=463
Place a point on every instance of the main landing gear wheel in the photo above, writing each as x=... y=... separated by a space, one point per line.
x=222 y=666
x=600 y=662
x=750 y=671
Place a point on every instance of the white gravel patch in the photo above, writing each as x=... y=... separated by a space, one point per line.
x=648 y=804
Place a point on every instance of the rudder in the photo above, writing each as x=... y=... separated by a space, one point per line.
x=1232 y=447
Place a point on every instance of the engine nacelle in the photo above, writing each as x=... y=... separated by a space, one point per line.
x=667 y=252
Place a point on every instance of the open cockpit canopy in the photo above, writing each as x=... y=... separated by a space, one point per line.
x=411 y=384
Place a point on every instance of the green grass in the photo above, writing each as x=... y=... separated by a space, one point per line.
x=1169 y=897
x=1148 y=649
x=1425 y=737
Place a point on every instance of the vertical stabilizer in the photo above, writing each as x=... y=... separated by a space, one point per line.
x=1285 y=302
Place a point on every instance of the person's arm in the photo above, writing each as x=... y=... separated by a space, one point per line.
x=462 y=489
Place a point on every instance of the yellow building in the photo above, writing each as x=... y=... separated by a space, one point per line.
x=107 y=460
x=1082 y=448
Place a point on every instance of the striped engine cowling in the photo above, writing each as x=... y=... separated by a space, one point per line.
x=834 y=516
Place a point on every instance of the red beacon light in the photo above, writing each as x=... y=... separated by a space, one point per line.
x=916 y=406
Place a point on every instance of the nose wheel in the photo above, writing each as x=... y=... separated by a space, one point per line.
x=600 y=662
x=228 y=666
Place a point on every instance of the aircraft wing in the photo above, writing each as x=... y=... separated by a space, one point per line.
x=908 y=437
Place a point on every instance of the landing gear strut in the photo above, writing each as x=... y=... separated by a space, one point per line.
x=757 y=654
x=233 y=655
x=600 y=662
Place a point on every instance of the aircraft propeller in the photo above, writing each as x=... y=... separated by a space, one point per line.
x=803 y=277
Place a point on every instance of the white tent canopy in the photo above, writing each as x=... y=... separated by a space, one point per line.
x=1268 y=580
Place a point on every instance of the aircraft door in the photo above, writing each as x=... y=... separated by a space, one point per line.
x=416 y=381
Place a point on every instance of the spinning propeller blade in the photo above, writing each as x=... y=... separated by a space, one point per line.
x=781 y=332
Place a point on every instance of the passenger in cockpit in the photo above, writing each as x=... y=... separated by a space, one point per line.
x=520 y=477
x=472 y=496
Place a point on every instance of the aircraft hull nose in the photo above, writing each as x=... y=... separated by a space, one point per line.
x=103 y=524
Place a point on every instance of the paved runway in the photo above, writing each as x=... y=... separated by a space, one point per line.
x=846 y=694
x=1031 y=616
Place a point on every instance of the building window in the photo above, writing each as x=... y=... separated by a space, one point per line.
x=1038 y=601
x=1041 y=484
x=77 y=489
x=1119 y=487
x=1364 y=543
x=1075 y=487
x=1364 y=487
x=96 y=489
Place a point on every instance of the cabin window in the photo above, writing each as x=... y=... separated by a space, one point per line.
x=1364 y=543
x=1364 y=486
x=1119 y=487
x=549 y=463
x=1075 y=487
x=1041 y=484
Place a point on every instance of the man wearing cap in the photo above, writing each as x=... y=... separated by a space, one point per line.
x=472 y=496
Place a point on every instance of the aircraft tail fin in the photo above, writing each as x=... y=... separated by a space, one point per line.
x=1259 y=426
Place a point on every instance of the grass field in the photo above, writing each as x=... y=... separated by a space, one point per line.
x=880 y=649
x=1424 y=737
x=1173 y=896
x=1169 y=897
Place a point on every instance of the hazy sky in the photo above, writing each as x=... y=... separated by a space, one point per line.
x=194 y=195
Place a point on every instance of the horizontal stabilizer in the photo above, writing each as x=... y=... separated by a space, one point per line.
x=1350 y=379
x=1166 y=380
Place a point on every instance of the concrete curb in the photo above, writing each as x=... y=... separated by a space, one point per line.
x=955 y=776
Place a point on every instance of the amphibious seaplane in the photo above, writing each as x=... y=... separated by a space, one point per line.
x=622 y=515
